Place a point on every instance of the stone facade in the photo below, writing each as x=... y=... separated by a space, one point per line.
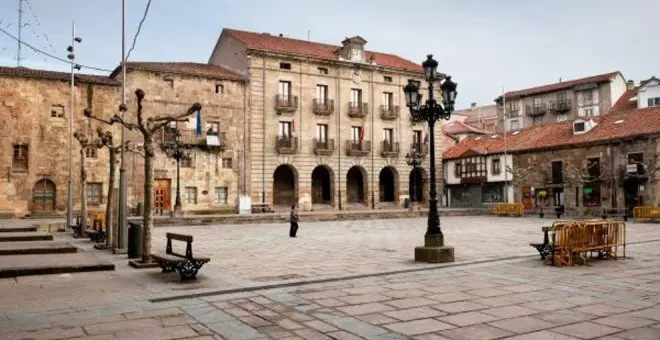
x=35 y=106
x=330 y=179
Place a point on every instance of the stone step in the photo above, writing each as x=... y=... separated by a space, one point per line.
x=27 y=236
x=17 y=229
x=36 y=247
x=24 y=265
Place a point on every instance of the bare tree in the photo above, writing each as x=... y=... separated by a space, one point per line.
x=85 y=144
x=519 y=177
x=651 y=168
x=148 y=128
x=106 y=139
x=578 y=176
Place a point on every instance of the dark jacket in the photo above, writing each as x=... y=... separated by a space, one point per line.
x=294 y=217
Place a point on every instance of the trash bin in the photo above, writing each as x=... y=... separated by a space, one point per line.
x=406 y=203
x=134 y=239
x=138 y=210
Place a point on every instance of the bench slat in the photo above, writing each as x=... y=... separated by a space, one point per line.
x=168 y=257
x=179 y=237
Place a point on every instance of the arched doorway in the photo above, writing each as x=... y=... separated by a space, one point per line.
x=387 y=182
x=416 y=184
x=356 y=185
x=43 y=196
x=322 y=185
x=285 y=185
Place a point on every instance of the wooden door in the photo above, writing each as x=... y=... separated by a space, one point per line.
x=43 y=196
x=162 y=194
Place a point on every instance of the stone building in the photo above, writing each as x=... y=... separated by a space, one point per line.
x=563 y=101
x=34 y=146
x=328 y=126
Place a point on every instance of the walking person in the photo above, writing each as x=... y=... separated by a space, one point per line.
x=293 y=219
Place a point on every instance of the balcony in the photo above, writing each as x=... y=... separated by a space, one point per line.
x=561 y=106
x=324 y=147
x=421 y=149
x=286 y=103
x=324 y=107
x=389 y=112
x=206 y=140
x=536 y=110
x=357 y=110
x=286 y=145
x=389 y=149
x=357 y=148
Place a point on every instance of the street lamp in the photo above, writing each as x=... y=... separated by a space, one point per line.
x=176 y=150
x=431 y=111
x=414 y=159
x=69 y=183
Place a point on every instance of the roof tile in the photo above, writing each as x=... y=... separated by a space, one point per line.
x=54 y=75
x=185 y=68
x=559 y=86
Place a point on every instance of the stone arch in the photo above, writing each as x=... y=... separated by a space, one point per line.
x=44 y=196
x=285 y=185
x=323 y=183
x=388 y=184
x=417 y=182
x=357 y=185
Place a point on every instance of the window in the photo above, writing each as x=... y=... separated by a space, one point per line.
x=220 y=195
x=636 y=158
x=388 y=136
x=515 y=125
x=227 y=163
x=387 y=79
x=94 y=193
x=169 y=82
x=589 y=111
x=591 y=195
x=561 y=117
x=417 y=140
x=536 y=102
x=492 y=193
x=323 y=70
x=513 y=110
x=57 y=111
x=654 y=101
x=557 y=172
x=356 y=97
x=186 y=162
x=579 y=126
x=588 y=97
x=497 y=166
x=537 y=121
x=91 y=152
x=388 y=99
x=356 y=54
x=284 y=129
x=322 y=133
x=284 y=89
x=458 y=169
x=190 y=195
x=321 y=94
x=219 y=88
x=20 y=158
x=213 y=128
x=285 y=66
x=562 y=97
x=356 y=134
x=593 y=168
x=473 y=167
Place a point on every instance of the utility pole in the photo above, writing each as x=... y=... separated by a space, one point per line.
x=69 y=187
x=20 y=28
x=122 y=229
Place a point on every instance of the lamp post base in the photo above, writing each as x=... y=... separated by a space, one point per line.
x=434 y=250
x=176 y=212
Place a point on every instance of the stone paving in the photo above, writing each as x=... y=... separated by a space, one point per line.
x=511 y=294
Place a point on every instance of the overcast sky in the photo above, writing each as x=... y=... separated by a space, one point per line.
x=485 y=45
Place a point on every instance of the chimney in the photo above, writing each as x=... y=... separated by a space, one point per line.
x=473 y=106
x=281 y=35
x=630 y=84
x=560 y=79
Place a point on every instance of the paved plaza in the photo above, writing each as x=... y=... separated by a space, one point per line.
x=349 y=280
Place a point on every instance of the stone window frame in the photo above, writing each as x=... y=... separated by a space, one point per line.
x=187 y=162
x=169 y=81
x=57 y=111
x=496 y=170
x=388 y=79
x=285 y=66
x=217 y=198
x=219 y=88
x=323 y=70
x=94 y=193
x=20 y=159
x=91 y=153
x=227 y=163
x=190 y=195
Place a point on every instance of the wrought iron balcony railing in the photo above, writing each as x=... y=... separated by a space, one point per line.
x=561 y=106
x=206 y=139
x=536 y=110
x=324 y=107
x=357 y=110
x=286 y=145
x=389 y=112
x=389 y=149
x=419 y=148
x=358 y=148
x=324 y=147
x=286 y=103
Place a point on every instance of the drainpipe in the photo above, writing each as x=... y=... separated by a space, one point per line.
x=263 y=144
x=612 y=180
x=300 y=143
x=246 y=145
x=338 y=106
x=373 y=105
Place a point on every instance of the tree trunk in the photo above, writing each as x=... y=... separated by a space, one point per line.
x=148 y=199
x=110 y=230
x=580 y=201
x=83 y=190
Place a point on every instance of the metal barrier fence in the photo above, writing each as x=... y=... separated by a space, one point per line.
x=514 y=209
x=646 y=213
x=580 y=238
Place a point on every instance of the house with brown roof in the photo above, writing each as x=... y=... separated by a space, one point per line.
x=328 y=126
x=461 y=130
x=590 y=163
x=482 y=117
x=591 y=96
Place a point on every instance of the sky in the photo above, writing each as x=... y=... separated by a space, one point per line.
x=487 y=46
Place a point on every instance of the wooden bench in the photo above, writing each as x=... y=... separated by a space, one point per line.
x=187 y=265
x=544 y=248
x=615 y=212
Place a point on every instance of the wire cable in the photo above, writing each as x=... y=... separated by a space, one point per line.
x=137 y=33
x=53 y=56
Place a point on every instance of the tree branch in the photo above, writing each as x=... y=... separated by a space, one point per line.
x=162 y=121
x=88 y=113
x=140 y=122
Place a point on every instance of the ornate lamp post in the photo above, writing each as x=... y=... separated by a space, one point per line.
x=431 y=111
x=414 y=159
x=176 y=150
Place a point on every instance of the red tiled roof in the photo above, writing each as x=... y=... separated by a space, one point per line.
x=54 y=75
x=624 y=102
x=272 y=43
x=184 y=68
x=558 y=86
x=548 y=136
x=458 y=127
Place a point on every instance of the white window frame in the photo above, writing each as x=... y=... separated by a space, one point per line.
x=284 y=129
x=218 y=194
x=322 y=132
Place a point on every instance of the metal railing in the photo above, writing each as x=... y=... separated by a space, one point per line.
x=286 y=145
x=286 y=103
x=389 y=149
x=357 y=110
x=561 y=106
x=389 y=112
x=324 y=147
x=536 y=110
x=358 y=148
x=324 y=107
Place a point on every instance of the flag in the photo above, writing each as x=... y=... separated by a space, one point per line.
x=293 y=126
x=362 y=134
x=426 y=139
x=199 y=122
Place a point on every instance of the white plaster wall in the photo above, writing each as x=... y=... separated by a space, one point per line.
x=651 y=90
x=617 y=88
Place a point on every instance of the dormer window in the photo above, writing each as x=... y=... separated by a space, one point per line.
x=353 y=49
x=654 y=101
x=581 y=126
x=578 y=127
x=356 y=54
